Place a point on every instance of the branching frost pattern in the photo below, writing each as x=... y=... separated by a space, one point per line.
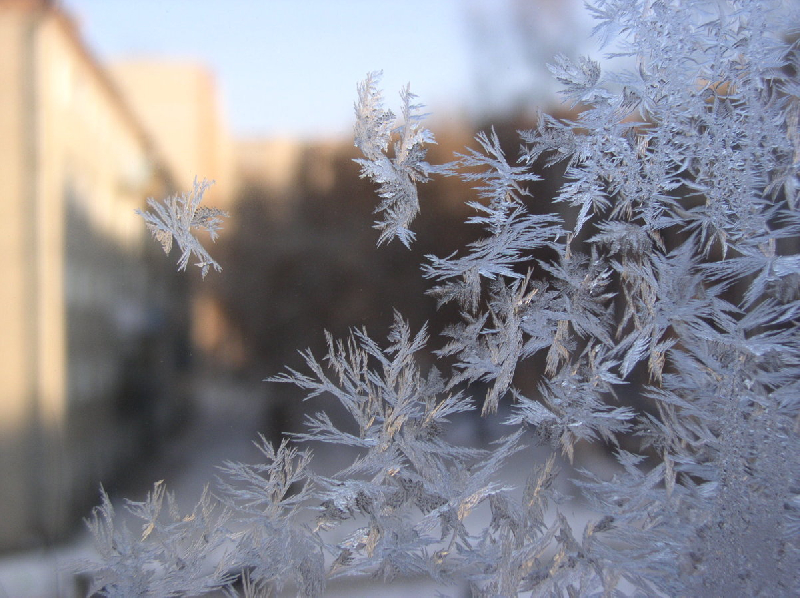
x=676 y=262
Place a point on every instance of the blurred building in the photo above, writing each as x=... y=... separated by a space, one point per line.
x=281 y=168
x=89 y=313
x=271 y=166
x=179 y=105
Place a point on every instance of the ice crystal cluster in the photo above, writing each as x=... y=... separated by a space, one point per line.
x=668 y=266
x=176 y=218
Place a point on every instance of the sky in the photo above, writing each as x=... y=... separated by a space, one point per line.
x=290 y=67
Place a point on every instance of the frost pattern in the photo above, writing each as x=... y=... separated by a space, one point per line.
x=674 y=275
x=396 y=176
x=177 y=216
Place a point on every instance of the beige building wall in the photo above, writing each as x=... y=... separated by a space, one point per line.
x=272 y=163
x=75 y=164
x=271 y=166
x=15 y=344
x=178 y=102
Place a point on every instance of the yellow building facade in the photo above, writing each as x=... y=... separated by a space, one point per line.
x=81 y=302
x=178 y=103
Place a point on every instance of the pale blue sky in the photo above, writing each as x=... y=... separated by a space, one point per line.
x=290 y=67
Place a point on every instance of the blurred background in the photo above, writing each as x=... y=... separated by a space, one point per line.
x=115 y=368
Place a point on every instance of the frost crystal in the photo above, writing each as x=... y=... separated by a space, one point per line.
x=396 y=176
x=177 y=216
x=656 y=311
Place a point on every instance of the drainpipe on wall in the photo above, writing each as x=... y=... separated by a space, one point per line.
x=45 y=514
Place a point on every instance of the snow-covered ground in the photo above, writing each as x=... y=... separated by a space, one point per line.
x=228 y=419
x=226 y=422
